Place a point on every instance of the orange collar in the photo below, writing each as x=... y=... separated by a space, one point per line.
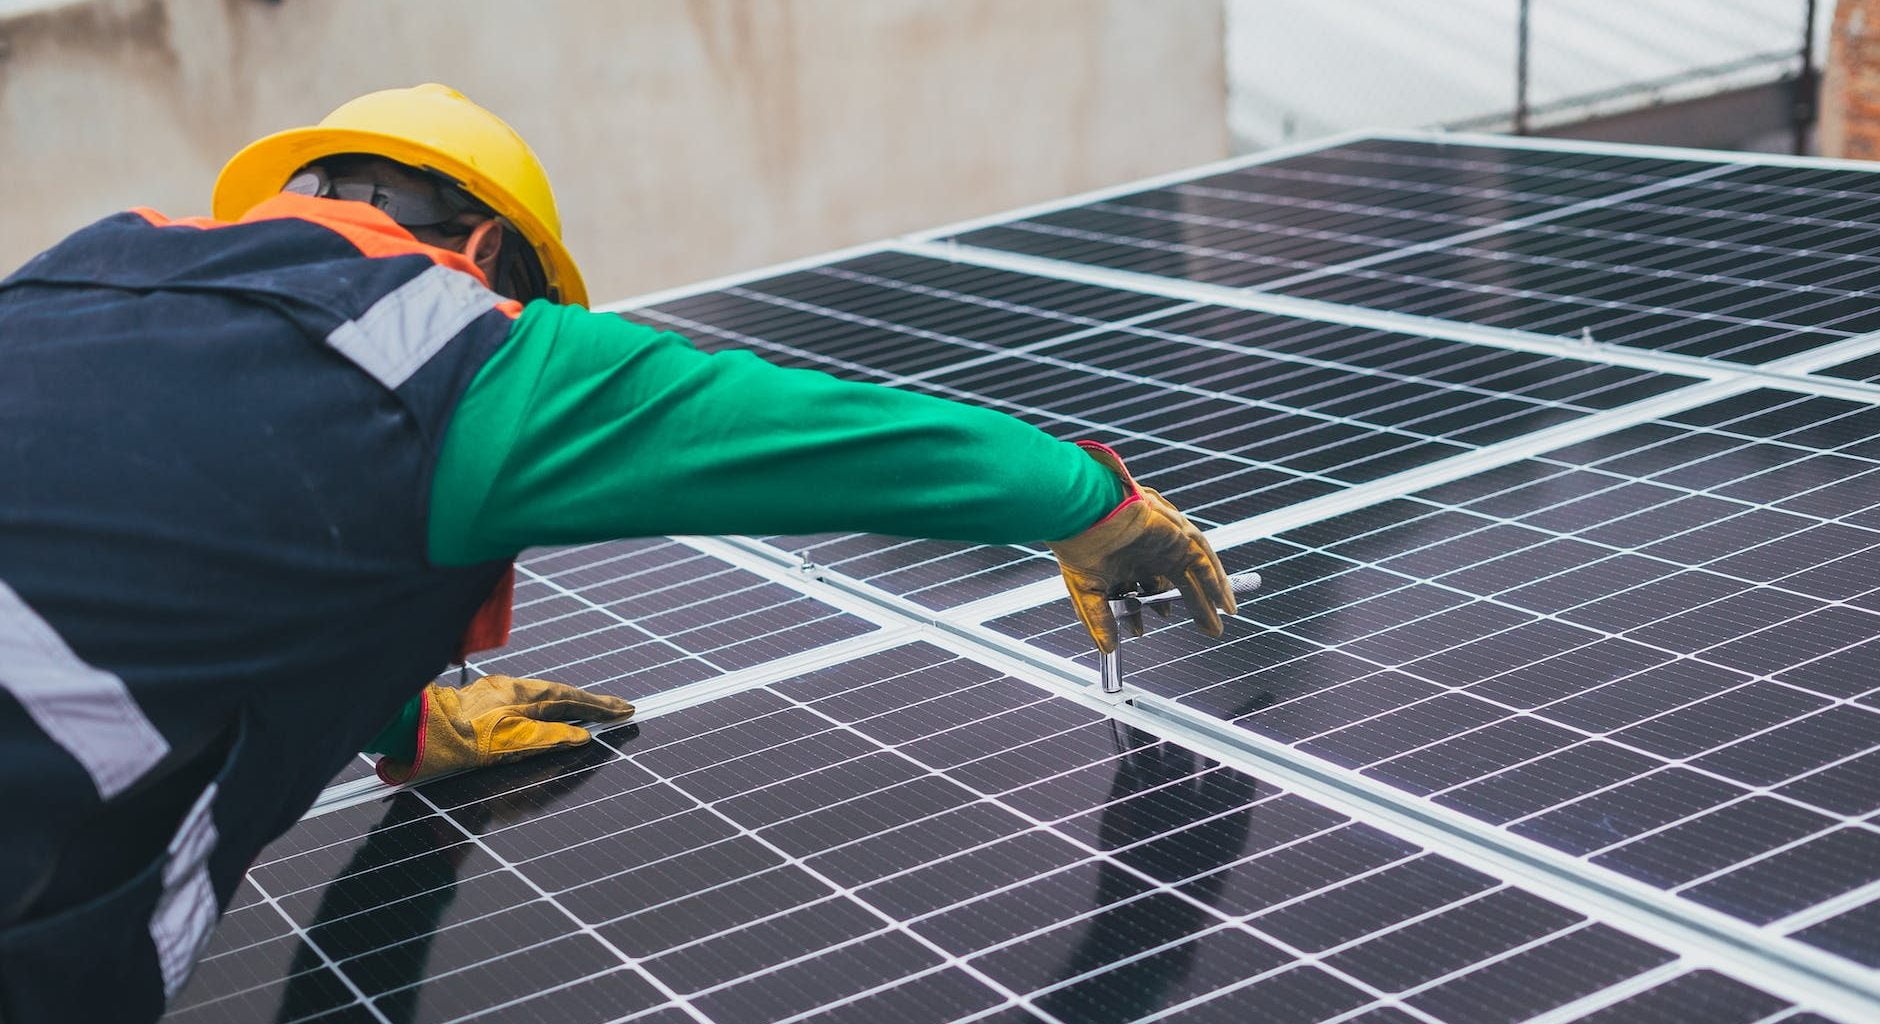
x=362 y=224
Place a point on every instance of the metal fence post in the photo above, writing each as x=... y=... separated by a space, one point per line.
x=1806 y=82
x=1521 y=70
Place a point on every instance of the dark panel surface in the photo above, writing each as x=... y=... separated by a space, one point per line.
x=1866 y=368
x=1274 y=221
x=1741 y=262
x=1655 y=650
x=904 y=836
x=1228 y=412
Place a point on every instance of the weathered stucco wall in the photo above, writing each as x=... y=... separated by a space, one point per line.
x=685 y=139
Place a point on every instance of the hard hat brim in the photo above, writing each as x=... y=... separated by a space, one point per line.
x=257 y=173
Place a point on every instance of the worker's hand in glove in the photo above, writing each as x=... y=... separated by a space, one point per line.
x=498 y=719
x=1143 y=545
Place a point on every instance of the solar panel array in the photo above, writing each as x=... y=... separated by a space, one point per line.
x=1562 y=701
x=907 y=836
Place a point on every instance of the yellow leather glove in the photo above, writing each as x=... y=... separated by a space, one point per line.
x=1142 y=545
x=498 y=719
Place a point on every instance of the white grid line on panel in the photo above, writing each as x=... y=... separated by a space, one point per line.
x=1711 y=181
x=912 y=241
x=491 y=1012
x=1410 y=580
x=1512 y=712
x=1621 y=201
x=1437 y=138
x=1547 y=436
x=1249 y=982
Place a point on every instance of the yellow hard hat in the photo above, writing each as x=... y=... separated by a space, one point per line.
x=431 y=127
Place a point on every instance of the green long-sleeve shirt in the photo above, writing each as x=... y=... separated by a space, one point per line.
x=584 y=427
x=587 y=427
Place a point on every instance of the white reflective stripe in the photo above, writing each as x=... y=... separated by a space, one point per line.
x=185 y=913
x=403 y=330
x=87 y=711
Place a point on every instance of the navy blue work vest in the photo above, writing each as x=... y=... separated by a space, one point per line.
x=216 y=450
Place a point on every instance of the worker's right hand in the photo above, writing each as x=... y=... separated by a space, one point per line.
x=1144 y=545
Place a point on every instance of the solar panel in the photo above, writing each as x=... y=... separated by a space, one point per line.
x=1559 y=704
x=1744 y=262
x=1366 y=200
x=1654 y=650
x=905 y=836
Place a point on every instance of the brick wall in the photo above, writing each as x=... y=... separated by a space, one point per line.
x=1850 y=89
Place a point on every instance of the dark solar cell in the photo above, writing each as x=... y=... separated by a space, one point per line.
x=1699 y=995
x=1854 y=934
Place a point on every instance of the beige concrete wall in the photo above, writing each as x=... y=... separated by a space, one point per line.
x=685 y=139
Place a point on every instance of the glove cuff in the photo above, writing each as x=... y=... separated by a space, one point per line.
x=444 y=744
x=394 y=772
x=1113 y=462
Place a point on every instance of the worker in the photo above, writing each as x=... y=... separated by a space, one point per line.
x=265 y=473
